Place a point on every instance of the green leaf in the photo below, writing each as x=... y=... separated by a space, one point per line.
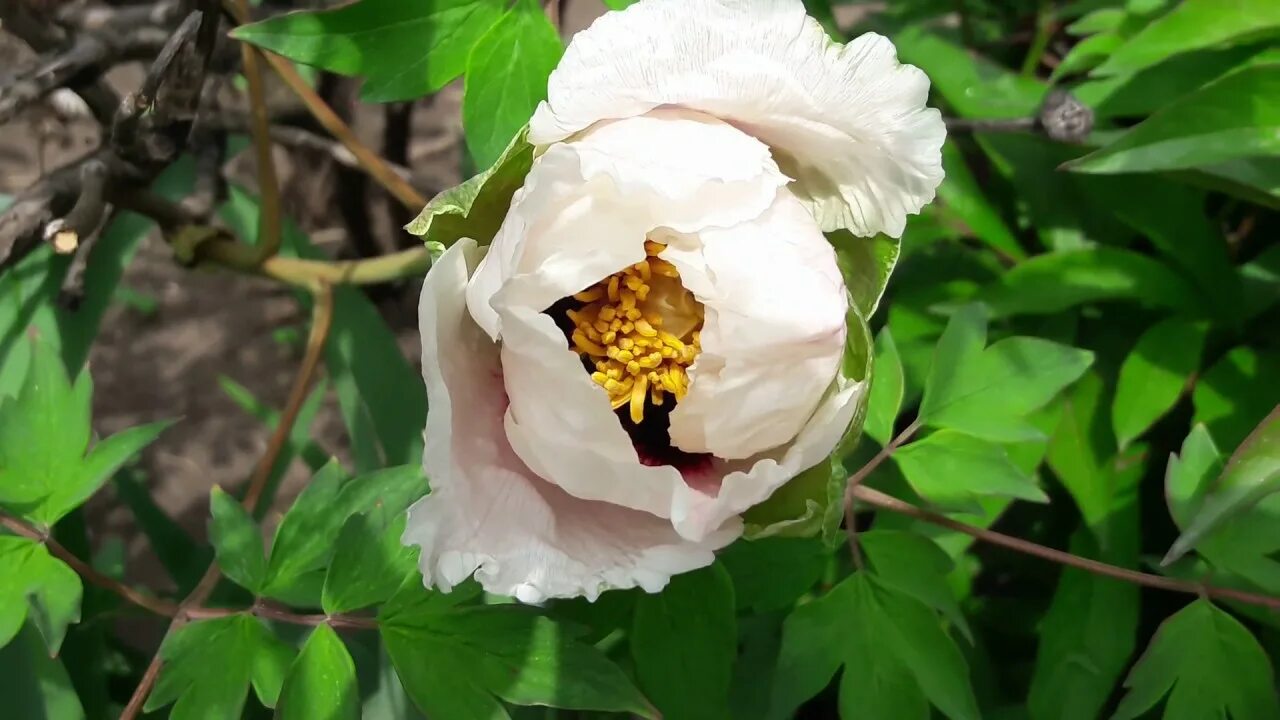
x=972 y=85
x=46 y=465
x=404 y=50
x=886 y=389
x=1086 y=639
x=304 y=540
x=963 y=197
x=476 y=208
x=1226 y=397
x=321 y=684
x=914 y=565
x=209 y=665
x=1208 y=664
x=866 y=264
x=237 y=541
x=1154 y=375
x=953 y=470
x=1151 y=88
x=1252 y=473
x=896 y=656
x=1192 y=25
x=455 y=662
x=1218 y=123
x=684 y=641
x=34 y=685
x=989 y=393
x=1050 y=283
x=618 y=4
x=506 y=78
x=369 y=564
x=771 y=573
x=1242 y=547
x=38 y=587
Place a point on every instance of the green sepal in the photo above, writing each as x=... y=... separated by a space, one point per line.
x=477 y=207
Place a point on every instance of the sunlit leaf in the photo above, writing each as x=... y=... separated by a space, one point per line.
x=1154 y=375
x=1192 y=25
x=38 y=587
x=321 y=684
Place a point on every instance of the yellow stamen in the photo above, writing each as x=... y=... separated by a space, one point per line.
x=638 y=392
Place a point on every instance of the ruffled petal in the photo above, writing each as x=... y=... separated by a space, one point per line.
x=587 y=205
x=488 y=514
x=848 y=122
x=773 y=334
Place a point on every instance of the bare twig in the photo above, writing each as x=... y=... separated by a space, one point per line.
x=369 y=160
x=18 y=19
x=850 y=517
x=269 y=221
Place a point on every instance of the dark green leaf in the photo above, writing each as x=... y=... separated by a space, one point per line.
x=962 y=197
x=456 y=662
x=771 y=573
x=1208 y=664
x=989 y=393
x=886 y=389
x=404 y=50
x=896 y=655
x=209 y=665
x=1226 y=396
x=369 y=564
x=1154 y=375
x=34 y=685
x=916 y=566
x=237 y=541
x=321 y=684
x=1192 y=25
x=684 y=641
x=1252 y=473
x=506 y=79
x=304 y=540
x=954 y=470
x=38 y=587
x=1051 y=283
x=1150 y=89
x=1218 y=123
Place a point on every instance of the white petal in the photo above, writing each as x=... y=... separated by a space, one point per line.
x=587 y=205
x=488 y=514
x=849 y=123
x=773 y=335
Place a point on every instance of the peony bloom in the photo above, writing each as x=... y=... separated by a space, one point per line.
x=652 y=343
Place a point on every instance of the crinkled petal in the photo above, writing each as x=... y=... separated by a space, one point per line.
x=488 y=514
x=848 y=122
x=773 y=334
x=587 y=205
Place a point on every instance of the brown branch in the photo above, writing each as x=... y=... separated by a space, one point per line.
x=878 y=499
x=368 y=159
x=850 y=519
x=18 y=19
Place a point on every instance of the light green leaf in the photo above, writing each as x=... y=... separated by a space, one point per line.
x=954 y=470
x=1050 y=283
x=456 y=662
x=1208 y=664
x=475 y=209
x=47 y=467
x=684 y=641
x=404 y=50
x=886 y=389
x=304 y=539
x=618 y=4
x=506 y=79
x=1192 y=25
x=39 y=587
x=321 y=684
x=866 y=264
x=1216 y=124
x=209 y=665
x=237 y=541
x=972 y=86
x=914 y=661
x=989 y=393
x=1154 y=375
x=1252 y=473
x=1151 y=88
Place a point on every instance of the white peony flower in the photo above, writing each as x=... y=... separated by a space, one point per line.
x=651 y=345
